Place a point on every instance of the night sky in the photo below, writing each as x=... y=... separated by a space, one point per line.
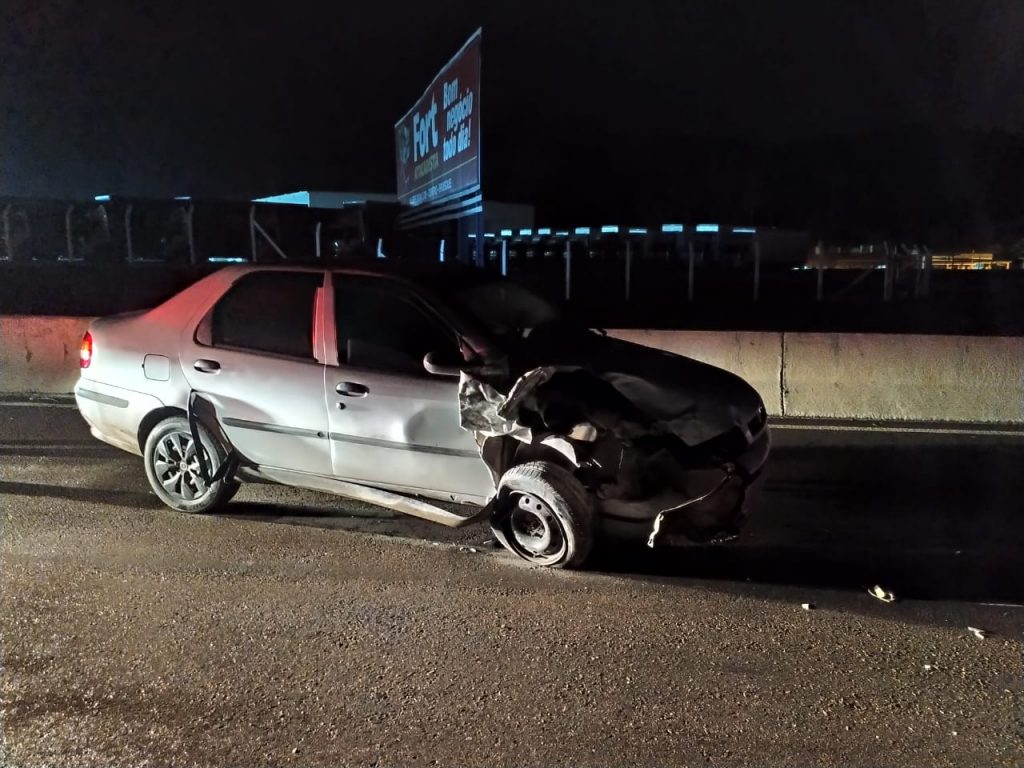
x=847 y=117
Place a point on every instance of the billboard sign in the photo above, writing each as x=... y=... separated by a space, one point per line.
x=437 y=142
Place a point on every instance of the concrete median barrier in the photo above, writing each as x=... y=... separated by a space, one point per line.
x=904 y=377
x=869 y=377
x=39 y=353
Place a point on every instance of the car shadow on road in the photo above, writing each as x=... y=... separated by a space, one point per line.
x=274 y=512
x=931 y=521
x=88 y=495
x=925 y=519
x=979 y=577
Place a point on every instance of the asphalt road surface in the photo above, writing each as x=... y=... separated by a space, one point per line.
x=132 y=635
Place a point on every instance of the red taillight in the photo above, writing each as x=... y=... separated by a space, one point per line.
x=85 y=351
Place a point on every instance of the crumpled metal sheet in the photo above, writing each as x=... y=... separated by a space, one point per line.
x=617 y=407
x=202 y=411
x=486 y=412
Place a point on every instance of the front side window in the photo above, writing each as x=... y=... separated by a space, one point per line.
x=382 y=327
x=503 y=307
x=268 y=312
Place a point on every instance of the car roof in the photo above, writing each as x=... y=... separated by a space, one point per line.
x=426 y=274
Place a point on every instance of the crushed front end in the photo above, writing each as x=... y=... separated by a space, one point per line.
x=665 y=465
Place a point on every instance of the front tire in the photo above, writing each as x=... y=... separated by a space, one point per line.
x=172 y=468
x=544 y=515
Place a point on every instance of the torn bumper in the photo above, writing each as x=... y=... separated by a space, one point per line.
x=716 y=516
x=708 y=505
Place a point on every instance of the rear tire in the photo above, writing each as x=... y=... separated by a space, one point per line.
x=172 y=468
x=544 y=515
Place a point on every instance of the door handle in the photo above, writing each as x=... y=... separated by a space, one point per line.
x=352 y=389
x=207 y=366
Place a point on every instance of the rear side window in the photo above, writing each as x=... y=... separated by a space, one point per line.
x=268 y=312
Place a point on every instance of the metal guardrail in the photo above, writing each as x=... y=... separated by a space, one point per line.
x=28 y=233
x=688 y=246
x=508 y=253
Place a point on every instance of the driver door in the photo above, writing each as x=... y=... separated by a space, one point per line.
x=392 y=424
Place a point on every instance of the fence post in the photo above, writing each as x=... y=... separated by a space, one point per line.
x=926 y=287
x=8 y=251
x=757 y=268
x=68 y=234
x=568 y=269
x=252 y=230
x=887 y=268
x=189 y=214
x=128 y=231
x=629 y=265
x=689 y=283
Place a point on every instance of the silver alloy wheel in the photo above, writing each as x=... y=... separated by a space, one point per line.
x=536 y=532
x=176 y=466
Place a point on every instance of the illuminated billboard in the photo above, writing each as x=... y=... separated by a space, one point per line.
x=437 y=142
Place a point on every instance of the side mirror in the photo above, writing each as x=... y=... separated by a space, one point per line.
x=443 y=363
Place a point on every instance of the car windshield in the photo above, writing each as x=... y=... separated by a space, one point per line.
x=503 y=307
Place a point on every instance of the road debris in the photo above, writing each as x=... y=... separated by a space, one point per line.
x=981 y=634
x=882 y=594
x=807 y=606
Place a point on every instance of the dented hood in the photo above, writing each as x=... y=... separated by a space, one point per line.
x=693 y=400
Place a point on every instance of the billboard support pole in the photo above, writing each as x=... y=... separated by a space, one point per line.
x=629 y=265
x=689 y=283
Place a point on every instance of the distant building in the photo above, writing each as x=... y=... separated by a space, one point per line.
x=972 y=260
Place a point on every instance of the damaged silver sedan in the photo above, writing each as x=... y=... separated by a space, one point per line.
x=442 y=393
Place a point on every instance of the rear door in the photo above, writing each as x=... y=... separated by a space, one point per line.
x=253 y=356
x=392 y=424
